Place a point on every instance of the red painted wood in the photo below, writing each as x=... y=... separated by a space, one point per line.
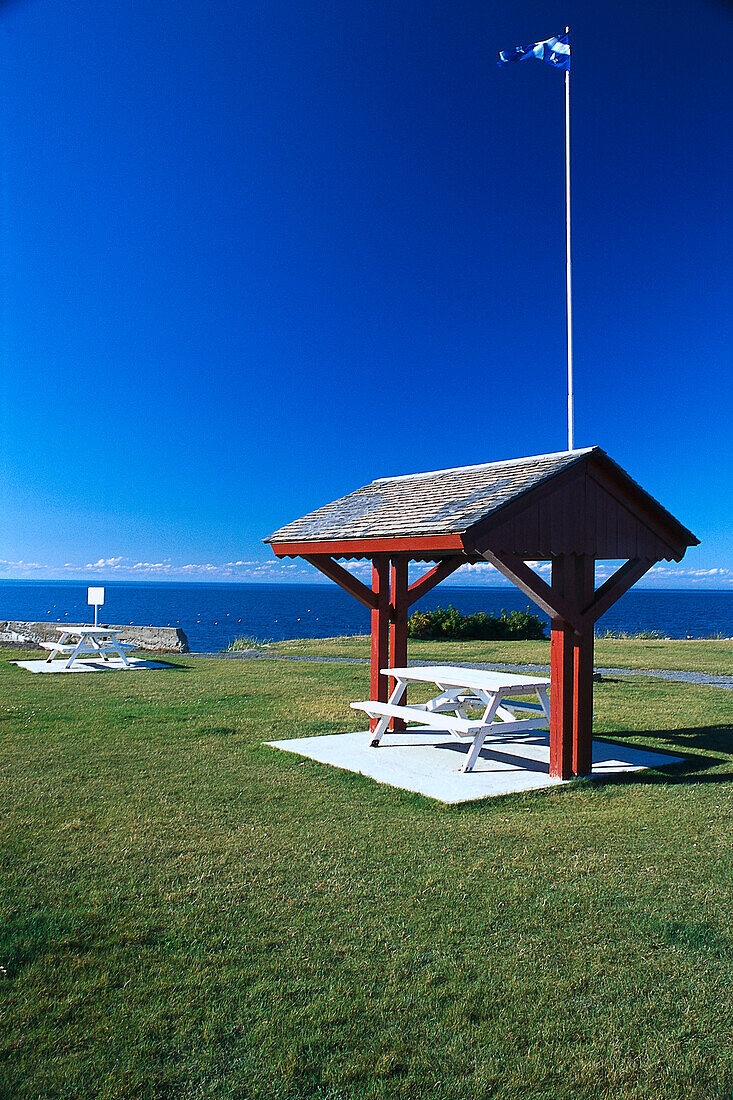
x=342 y=577
x=550 y=599
x=644 y=508
x=583 y=703
x=587 y=509
x=615 y=587
x=561 y=700
x=582 y=757
x=480 y=535
x=398 y=628
x=562 y=673
x=424 y=584
x=380 y=631
x=366 y=548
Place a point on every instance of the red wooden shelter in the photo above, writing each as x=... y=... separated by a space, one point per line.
x=571 y=509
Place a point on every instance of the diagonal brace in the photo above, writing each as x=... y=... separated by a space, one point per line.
x=616 y=586
x=342 y=577
x=424 y=584
x=548 y=599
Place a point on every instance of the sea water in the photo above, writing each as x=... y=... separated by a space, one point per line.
x=213 y=615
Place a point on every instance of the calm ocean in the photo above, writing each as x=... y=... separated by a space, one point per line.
x=212 y=615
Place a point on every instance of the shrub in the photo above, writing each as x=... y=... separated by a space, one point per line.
x=247 y=643
x=449 y=623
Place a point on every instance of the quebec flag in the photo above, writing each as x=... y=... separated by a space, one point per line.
x=555 y=51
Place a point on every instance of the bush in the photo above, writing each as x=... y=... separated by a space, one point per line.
x=247 y=643
x=449 y=623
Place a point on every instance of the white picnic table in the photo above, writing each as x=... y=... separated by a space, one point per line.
x=87 y=641
x=499 y=695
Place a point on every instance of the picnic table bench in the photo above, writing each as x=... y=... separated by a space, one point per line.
x=499 y=695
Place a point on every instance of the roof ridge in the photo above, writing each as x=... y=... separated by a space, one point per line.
x=485 y=465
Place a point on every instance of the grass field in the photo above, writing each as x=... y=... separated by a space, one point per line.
x=187 y=913
x=694 y=655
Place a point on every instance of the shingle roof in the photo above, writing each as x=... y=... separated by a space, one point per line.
x=443 y=502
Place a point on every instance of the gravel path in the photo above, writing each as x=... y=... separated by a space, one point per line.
x=539 y=670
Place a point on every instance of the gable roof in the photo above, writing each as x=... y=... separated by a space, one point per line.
x=446 y=508
x=437 y=503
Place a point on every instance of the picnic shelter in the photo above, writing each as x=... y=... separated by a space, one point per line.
x=570 y=509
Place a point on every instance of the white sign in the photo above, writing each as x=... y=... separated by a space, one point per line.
x=95 y=596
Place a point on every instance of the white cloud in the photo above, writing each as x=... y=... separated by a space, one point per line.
x=295 y=569
x=21 y=566
x=104 y=564
x=679 y=572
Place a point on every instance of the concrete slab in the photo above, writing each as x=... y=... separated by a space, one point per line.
x=114 y=664
x=428 y=762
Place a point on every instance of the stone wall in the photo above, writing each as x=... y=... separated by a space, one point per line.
x=159 y=639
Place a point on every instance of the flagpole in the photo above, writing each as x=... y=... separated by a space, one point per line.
x=568 y=266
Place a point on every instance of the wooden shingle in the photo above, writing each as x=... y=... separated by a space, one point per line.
x=570 y=502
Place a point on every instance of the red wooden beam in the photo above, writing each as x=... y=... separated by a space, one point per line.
x=380 y=631
x=561 y=701
x=398 y=628
x=550 y=599
x=615 y=587
x=424 y=584
x=341 y=576
x=424 y=544
x=582 y=734
x=561 y=672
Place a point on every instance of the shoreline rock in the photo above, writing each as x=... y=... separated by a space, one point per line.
x=154 y=639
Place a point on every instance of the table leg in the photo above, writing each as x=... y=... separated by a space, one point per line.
x=52 y=652
x=492 y=704
x=478 y=741
x=75 y=653
x=96 y=644
x=120 y=651
x=381 y=727
x=478 y=744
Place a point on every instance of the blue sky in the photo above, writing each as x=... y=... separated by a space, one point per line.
x=254 y=255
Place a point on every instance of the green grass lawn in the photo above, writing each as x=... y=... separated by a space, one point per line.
x=695 y=655
x=187 y=913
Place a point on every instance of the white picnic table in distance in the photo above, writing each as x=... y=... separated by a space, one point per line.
x=88 y=641
x=498 y=694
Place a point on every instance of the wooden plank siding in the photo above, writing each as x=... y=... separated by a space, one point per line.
x=577 y=517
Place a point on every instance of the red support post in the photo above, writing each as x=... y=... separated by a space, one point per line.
x=583 y=671
x=398 y=628
x=561 y=701
x=562 y=668
x=583 y=703
x=571 y=658
x=380 y=630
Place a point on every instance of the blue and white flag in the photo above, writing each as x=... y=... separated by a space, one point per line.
x=555 y=51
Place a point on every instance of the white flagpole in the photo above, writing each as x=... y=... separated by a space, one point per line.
x=568 y=276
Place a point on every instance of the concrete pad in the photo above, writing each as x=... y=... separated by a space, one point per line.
x=114 y=664
x=429 y=761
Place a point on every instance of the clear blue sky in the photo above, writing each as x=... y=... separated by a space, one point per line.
x=254 y=255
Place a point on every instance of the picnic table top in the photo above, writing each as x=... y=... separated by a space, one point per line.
x=482 y=679
x=98 y=630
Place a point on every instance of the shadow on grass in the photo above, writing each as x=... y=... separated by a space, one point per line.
x=694 y=768
x=145 y=656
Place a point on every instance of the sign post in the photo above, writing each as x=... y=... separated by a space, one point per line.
x=95 y=596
